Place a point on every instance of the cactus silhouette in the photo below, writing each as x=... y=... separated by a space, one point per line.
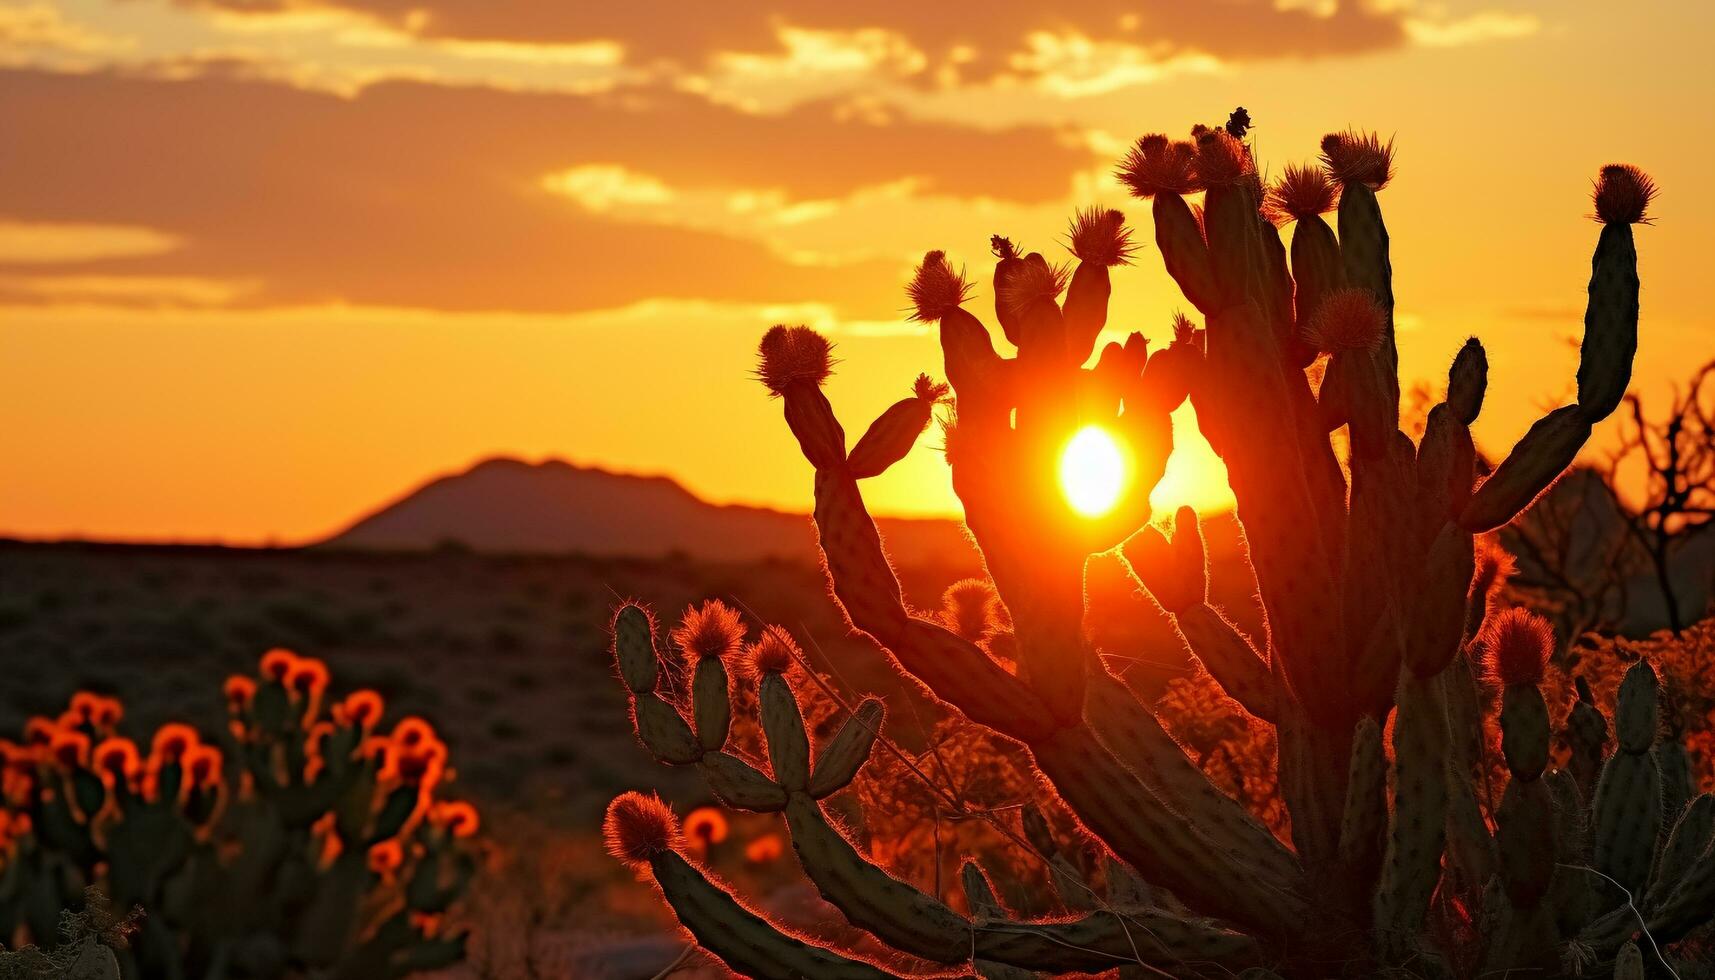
x=303 y=839
x=1400 y=860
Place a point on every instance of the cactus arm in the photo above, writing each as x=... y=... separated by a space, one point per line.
x=741 y=785
x=1691 y=836
x=1534 y=462
x=1106 y=939
x=1374 y=413
x=1133 y=734
x=742 y=939
x=1363 y=825
x=1690 y=904
x=1160 y=843
x=1610 y=323
x=1177 y=576
x=1627 y=808
x=840 y=759
x=1184 y=251
x=1230 y=659
x=897 y=913
x=1604 y=370
x=955 y=670
x=1469 y=844
x=1418 y=829
x=1245 y=419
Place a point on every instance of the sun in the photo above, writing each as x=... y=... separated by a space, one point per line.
x=1092 y=471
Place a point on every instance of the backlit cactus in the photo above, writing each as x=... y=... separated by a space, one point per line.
x=1404 y=857
x=303 y=838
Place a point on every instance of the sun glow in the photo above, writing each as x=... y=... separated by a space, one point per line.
x=1092 y=471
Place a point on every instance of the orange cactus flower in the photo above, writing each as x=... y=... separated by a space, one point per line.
x=764 y=849
x=108 y=712
x=705 y=827
x=117 y=760
x=277 y=664
x=413 y=731
x=317 y=737
x=361 y=709
x=203 y=766
x=427 y=924
x=39 y=731
x=70 y=749
x=386 y=858
x=308 y=677
x=377 y=750
x=239 y=691
x=83 y=705
x=457 y=817
x=420 y=765
x=173 y=741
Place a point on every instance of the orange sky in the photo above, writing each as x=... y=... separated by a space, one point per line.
x=265 y=264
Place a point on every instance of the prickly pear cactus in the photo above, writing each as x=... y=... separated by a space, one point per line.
x=302 y=838
x=1416 y=846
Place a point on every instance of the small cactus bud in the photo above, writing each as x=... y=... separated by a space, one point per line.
x=1636 y=714
x=360 y=709
x=1157 y=166
x=1348 y=319
x=1467 y=381
x=70 y=749
x=1358 y=158
x=1519 y=643
x=710 y=630
x=936 y=289
x=1222 y=160
x=1033 y=281
x=968 y=608
x=1301 y=192
x=386 y=858
x=173 y=741
x=1622 y=194
x=308 y=678
x=774 y=652
x=203 y=767
x=117 y=759
x=638 y=828
x=277 y=663
x=793 y=355
x=634 y=646
x=239 y=692
x=457 y=817
x=1099 y=236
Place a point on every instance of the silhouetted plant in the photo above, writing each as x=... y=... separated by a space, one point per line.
x=302 y=839
x=1398 y=860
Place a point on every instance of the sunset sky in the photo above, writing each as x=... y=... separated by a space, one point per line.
x=266 y=264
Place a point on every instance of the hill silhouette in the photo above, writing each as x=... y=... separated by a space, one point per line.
x=555 y=507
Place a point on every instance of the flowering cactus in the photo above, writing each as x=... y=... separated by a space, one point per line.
x=1399 y=858
x=301 y=839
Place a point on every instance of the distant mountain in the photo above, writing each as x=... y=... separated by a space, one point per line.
x=508 y=505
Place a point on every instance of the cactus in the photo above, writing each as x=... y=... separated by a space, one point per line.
x=301 y=839
x=1401 y=859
